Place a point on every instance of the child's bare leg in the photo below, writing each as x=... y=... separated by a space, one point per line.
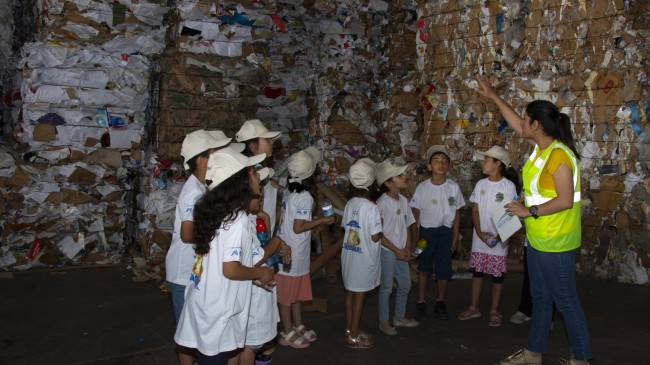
x=477 y=285
x=497 y=289
x=185 y=355
x=357 y=310
x=349 y=296
x=296 y=313
x=285 y=318
x=423 y=281
x=246 y=357
x=442 y=289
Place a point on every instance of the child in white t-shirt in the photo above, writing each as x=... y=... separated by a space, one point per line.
x=436 y=204
x=500 y=185
x=360 y=262
x=196 y=150
x=396 y=218
x=293 y=280
x=217 y=301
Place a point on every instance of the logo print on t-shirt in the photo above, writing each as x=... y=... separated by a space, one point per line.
x=452 y=201
x=434 y=201
x=499 y=197
x=399 y=211
x=482 y=192
x=353 y=240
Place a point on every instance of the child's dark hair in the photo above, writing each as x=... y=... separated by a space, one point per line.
x=219 y=207
x=248 y=150
x=377 y=193
x=553 y=122
x=192 y=161
x=305 y=185
x=369 y=194
x=509 y=173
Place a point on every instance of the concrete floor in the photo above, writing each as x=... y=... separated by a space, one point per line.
x=100 y=316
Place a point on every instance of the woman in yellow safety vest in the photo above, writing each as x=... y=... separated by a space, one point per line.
x=551 y=213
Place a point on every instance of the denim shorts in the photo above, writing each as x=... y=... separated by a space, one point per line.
x=438 y=251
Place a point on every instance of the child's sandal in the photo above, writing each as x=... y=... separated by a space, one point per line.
x=362 y=335
x=298 y=342
x=310 y=335
x=359 y=342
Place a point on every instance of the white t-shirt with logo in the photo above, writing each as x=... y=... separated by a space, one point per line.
x=397 y=216
x=215 y=316
x=488 y=194
x=180 y=256
x=296 y=206
x=437 y=203
x=263 y=317
x=360 y=259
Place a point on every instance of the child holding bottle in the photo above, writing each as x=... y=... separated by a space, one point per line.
x=296 y=223
x=489 y=252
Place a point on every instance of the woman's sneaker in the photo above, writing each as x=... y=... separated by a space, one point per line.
x=519 y=318
x=522 y=357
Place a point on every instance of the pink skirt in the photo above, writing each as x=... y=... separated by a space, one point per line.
x=292 y=289
x=488 y=264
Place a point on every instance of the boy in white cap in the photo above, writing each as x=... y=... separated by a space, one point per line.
x=436 y=202
x=397 y=217
x=196 y=149
x=257 y=138
x=360 y=262
x=215 y=316
x=296 y=223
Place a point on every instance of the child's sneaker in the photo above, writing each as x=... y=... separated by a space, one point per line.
x=261 y=359
x=421 y=311
x=440 y=310
x=519 y=318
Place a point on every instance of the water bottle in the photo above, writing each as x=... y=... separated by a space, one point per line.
x=422 y=244
x=491 y=240
x=264 y=237
x=328 y=209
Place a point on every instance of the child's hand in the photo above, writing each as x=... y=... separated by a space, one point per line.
x=454 y=244
x=264 y=215
x=266 y=277
x=328 y=220
x=403 y=255
x=284 y=251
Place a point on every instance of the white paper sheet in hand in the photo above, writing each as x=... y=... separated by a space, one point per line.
x=505 y=224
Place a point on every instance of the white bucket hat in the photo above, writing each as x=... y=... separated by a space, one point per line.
x=362 y=173
x=499 y=153
x=436 y=149
x=227 y=162
x=302 y=164
x=387 y=169
x=254 y=129
x=217 y=134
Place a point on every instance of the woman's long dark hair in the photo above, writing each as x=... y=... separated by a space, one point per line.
x=509 y=173
x=219 y=207
x=554 y=123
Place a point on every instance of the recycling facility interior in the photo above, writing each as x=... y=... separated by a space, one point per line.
x=99 y=94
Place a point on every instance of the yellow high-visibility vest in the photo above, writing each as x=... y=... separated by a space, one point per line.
x=556 y=232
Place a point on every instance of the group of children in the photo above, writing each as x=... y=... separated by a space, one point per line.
x=217 y=266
